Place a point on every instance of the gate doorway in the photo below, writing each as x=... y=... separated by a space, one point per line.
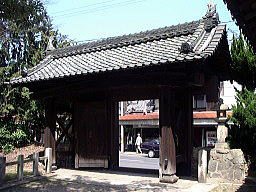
x=139 y=134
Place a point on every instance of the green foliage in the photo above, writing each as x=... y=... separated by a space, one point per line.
x=8 y=148
x=243 y=65
x=13 y=134
x=242 y=134
x=243 y=70
x=25 y=30
x=243 y=131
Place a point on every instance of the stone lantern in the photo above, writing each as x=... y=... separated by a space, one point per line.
x=222 y=130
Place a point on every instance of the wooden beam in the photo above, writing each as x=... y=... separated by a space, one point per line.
x=109 y=81
x=64 y=131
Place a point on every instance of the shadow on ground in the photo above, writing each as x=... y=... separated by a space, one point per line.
x=81 y=183
x=248 y=186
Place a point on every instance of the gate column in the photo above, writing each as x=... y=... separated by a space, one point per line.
x=49 y=132
x=167 y=158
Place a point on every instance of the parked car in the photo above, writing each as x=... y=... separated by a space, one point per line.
x=151 y=148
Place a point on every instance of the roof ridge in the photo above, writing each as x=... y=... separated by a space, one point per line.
x=130 y=39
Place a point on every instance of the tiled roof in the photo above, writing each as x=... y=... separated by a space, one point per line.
x=164 y=46
x=149 y=116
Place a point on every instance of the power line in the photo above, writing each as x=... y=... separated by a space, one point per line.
x=81 y=7
x=104 y=7
x=101 y=8
x=228 y=22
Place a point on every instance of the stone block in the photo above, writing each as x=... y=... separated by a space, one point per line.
x=212 y=167
x=213 y=155
x=236 y=152
x=227 y=164
x=238 y=174
x=216 y=175
x=238 y=160
x=230 y=174
x=229 y=156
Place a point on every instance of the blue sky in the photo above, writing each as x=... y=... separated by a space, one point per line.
x=95 y=19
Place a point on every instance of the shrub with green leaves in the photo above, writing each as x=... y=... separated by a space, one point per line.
x=7 y=148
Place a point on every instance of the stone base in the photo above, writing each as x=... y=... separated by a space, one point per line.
x=169 y=179
x=227 y=164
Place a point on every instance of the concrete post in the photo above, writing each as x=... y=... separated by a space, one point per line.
x=2 y=169
x=35 y=163
x=20 y=167
x=48 y=154
x=202 y=166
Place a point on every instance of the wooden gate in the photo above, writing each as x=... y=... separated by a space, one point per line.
x=90 y=123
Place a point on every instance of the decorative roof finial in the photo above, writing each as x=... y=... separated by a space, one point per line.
x=50 y=46
x=211 y=9
x=212 y=17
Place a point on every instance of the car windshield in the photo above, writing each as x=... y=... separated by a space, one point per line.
x=156 y=141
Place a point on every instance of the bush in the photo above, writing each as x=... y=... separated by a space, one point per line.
x=8 y=148
x=242 y=134
x=12 y=135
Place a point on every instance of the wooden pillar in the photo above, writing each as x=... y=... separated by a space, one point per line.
x=35 y=163
x=20 y=167
x=49 y=132
x=113 y=122
x=189 y=131
x=167 y=158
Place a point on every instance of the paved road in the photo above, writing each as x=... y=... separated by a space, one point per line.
x=138 y=161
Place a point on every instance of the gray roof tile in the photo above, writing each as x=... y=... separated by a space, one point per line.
x=141 y=49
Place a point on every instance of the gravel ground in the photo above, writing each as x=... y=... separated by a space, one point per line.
x=103 y=180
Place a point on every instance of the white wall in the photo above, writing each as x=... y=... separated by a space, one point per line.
x=227 y=93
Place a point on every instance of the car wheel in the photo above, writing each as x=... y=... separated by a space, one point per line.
x=151 y=154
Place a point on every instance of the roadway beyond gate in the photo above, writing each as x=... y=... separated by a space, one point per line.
x=139 y=161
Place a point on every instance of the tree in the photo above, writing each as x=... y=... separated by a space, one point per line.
x=243 y=65
x=25 y=29
x=242 y=134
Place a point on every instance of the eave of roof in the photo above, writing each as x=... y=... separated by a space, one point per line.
x=244 y=12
